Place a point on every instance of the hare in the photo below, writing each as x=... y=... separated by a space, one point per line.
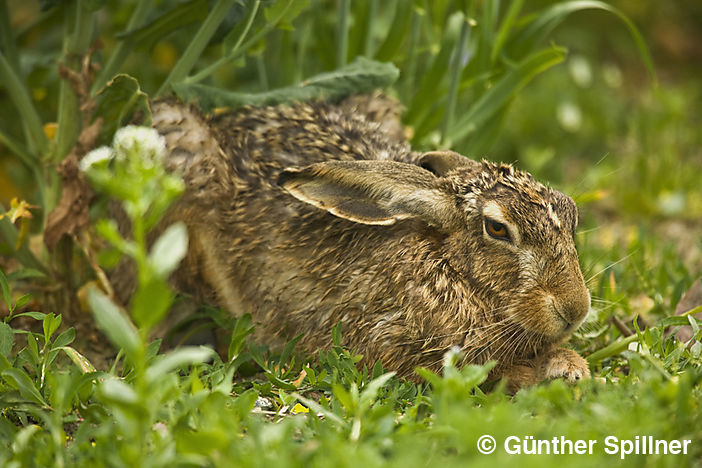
x=315 y=213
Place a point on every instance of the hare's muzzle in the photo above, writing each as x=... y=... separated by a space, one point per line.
x=568 y=307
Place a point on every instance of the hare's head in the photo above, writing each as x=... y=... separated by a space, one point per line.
x=508 y=237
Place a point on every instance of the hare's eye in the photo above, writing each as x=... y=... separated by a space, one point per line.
x=496 y=230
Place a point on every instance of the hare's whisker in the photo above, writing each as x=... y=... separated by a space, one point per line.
x=609 y=266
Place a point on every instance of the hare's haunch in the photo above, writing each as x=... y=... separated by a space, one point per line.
x=316 y=213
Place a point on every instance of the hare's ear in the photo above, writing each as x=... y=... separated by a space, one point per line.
x=441 y=162
x=372 y=192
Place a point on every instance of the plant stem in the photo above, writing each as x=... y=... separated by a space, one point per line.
x=305 y=32
x=250 y=16
x=7 y=40
x=78 y=33
x=235 y=53
x=261 y=70
x=198 y=44
x=412 y=53
x=123 y=48
x=612 y=349
x=372 y=17
x=342 y=33
x=19 y=94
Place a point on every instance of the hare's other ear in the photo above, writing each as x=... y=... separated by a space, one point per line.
x=372 y=192
x=441 y=162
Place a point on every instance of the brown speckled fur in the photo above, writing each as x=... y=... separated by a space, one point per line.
x=407 y=291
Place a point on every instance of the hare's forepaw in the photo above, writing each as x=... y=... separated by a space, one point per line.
x=562 y=363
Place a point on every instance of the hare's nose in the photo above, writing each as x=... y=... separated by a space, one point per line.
x=574 y=306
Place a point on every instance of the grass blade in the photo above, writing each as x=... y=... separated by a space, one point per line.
x=123 y=48
x=19 y=95
x=537 y=29
x=503 y=91
x=197 y=45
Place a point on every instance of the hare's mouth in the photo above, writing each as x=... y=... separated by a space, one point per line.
x=568 y=326
x=563 y=322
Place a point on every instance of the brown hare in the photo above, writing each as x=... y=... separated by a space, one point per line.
x=315 y=213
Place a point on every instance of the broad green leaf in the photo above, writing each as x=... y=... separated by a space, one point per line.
x=242 y=329
x=287 y=350
x=65 y=338
x=7 y=339
x=344 y=397
x=272 y=378
x=33 y=348
x=503 y=91
x=4 y=363
x=169 y=249
x=311 y=375
x=370 y=391
x=78 y=359
x=22 y=301
x=360 y=76
x=377 y=370
x=474 y=375
x=185 y=356
x=34 y=315
x=19 y=380
x=113 y=322
x=431 y=377
x=50 y=324
x=24 y=436
x=225 y=386
x=201 y=442
x=336 y=334
x=118 y=101
x=116 y=391
x=245 y=402
x=151 y=302
x=678 y=320
x=25 y=273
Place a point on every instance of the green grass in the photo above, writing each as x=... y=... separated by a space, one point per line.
x=480 y=77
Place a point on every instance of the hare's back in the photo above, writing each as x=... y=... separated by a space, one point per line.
x=260 y=142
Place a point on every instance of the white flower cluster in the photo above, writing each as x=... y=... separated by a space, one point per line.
x=144 y=142
x=453 y=356
x=103 y=153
